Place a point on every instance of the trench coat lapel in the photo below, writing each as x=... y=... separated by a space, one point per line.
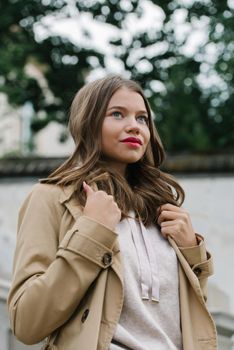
x=73 y=207
x=68 y=199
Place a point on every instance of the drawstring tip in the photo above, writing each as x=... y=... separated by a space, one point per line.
x=155 y=300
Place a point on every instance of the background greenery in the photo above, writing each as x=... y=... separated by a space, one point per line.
x=191 y=94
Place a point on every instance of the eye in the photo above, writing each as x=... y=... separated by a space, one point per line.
x=116 y=114
x=143 y=119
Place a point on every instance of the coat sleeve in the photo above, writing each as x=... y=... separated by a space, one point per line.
x=200 y=261
x=50 y=280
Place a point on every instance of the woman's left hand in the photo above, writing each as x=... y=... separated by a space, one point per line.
x=176 y=223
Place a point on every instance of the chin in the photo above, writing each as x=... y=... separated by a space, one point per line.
x=132 y=160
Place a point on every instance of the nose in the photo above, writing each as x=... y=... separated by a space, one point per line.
x=132 y=125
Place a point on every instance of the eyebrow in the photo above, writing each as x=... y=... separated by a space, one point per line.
x=123 y=108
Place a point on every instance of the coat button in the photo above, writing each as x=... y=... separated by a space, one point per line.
x=197 y=271
x=107 y=259
x=85 y=315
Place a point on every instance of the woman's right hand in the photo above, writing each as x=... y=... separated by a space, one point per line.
x=101 y=207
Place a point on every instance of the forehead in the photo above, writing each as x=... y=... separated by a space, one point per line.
x=128 y=99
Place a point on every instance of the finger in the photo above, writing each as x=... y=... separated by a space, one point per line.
x=168 y=231
x=168 y=223
x=169 y=215
x=171 y=207
x=158 y=210
x=88 y=190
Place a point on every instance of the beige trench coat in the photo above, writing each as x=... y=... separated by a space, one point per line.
x=68 y=276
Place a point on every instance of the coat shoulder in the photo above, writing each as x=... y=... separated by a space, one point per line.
x=44 y=196
x=47 y=191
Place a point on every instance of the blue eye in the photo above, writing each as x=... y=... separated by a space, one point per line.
x=143 y=119
x=117 y=114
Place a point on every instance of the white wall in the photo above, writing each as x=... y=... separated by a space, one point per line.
x=210 y=201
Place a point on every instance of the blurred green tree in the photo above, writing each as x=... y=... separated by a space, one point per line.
x=189 y=82
x=47 y=72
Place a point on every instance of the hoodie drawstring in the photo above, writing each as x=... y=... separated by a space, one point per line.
x=149 y=277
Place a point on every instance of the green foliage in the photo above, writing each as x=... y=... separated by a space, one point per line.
x=19 y=47
x=189 y=115
x=194 y=105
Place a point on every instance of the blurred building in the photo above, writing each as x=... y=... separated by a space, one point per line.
x=16 y=137
x=10 y=128
x=209 y=185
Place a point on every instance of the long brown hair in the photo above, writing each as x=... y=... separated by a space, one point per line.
x=145 y=187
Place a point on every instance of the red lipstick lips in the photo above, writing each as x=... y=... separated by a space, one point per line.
x=132 y=140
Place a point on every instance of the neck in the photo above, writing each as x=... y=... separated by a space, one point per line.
x=118 y=168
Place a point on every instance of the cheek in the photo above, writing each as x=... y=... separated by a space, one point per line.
x=147 y=136
x=106 y=136
x=105 y=132
x=107 y=128
x=147 y=140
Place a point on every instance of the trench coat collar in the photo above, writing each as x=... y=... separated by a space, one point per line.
x=66 y=193
x=68 y=199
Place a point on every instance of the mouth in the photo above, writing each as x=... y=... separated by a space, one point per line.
x=132 y=140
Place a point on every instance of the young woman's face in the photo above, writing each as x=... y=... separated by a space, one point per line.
x=125 y=131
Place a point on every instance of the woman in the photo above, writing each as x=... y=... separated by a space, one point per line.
x=106 y=258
